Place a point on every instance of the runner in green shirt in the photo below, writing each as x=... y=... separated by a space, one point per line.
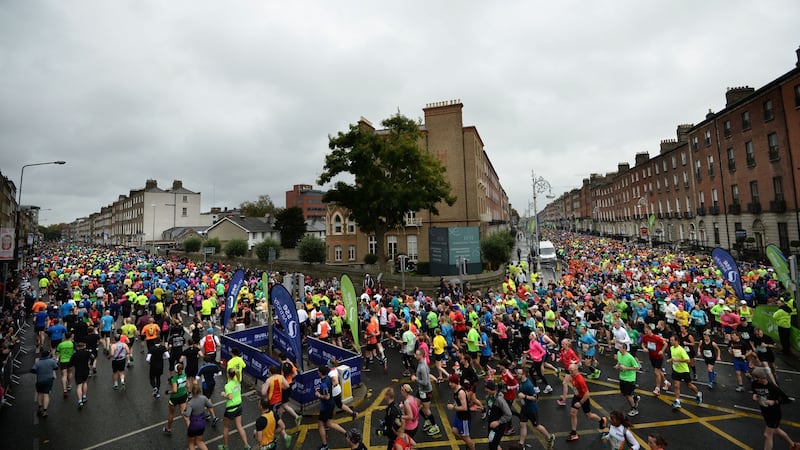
x=680 y=371
x=233 y=409
x=627 y=366
x=177 y=395
x=64 y=351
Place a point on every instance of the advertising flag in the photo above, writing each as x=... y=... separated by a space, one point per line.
x=730 y=270
x=781 y=266
x=287 y=316
x=351 y=308
x=651 y=222
x=233 y=293
x=7 y=247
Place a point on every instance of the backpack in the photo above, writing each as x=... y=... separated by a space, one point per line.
x=209 y=346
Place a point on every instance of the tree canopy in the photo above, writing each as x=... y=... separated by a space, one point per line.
x=292 y=225
x=393 y=176
x=259 y=208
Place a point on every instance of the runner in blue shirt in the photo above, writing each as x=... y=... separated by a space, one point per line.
x=56 y=333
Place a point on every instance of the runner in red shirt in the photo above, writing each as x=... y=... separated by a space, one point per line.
x=581 y=401
x=567 y=356
x=656 y=346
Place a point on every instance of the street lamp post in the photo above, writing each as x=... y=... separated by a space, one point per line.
x=19 y=207
x=540 y=186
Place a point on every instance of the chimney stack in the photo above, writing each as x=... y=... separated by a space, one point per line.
x=735 y=94
x=151 y=184
x=177 y=184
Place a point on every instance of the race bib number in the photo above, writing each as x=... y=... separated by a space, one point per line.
x=686 y=347
x=651 y=346
x=745 y=335
x=737 y=353
x=708 y=354
x=761 y=348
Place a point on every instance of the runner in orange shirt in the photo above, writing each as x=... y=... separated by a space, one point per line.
x=151 y=333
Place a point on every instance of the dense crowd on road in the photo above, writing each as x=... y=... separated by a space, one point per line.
x=495 y=349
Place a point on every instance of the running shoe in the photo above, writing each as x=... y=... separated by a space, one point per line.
x=548 y=389
x=740 y=389
x=69 y=388
x=221 y=447
x=711 y=385
x=484 y=413
x=433 y=430
x=573 y=437
x=122 y=386
x=561 y=402
x=84 y=399
x=215 y=421
x=510 y=431
x=297 y=420
x=602 y=424
x=287 y=440
x=116 y=386
x=676 y=404
x=353 y=414
x=667 y=384
x=633 y=412
x=699 y=397
x=80 y=404
x=427 y=424
x=636 y=399
x=551 y=441
x=657 y=390
x=166 y=430
x=527 y=445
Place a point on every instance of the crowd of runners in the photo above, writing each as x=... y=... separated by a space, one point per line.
x=494 y=349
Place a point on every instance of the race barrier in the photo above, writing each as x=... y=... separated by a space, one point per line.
x=762 y=318
x=251 y=341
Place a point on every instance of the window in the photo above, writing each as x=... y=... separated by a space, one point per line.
x=411 y=247
x=688 y=204
x=711 y=166
x=783 y=236
x=185 y=199
x=392 y=245
x=674 y=162
x=716 y=233
x=769 y=114
x=184 y=212
x=777 y=187
x=664 y=165
x=754 y=192
x=727 y=131
x=714 y=198
x=658 y=185
x=697 y=169
x=337 y=253
x=772 y=142
x=411 y=218
x=657 y=172
x=685 y=179
x=666 y=184
x=675 y=181
x=695 y=143
x=735 y=194
x=707 y=138
x=797 y=96
x=750 y=154
x=372 y=245
x=683 y=158
x=746 y=120
x=351 y=226
x=731 y=160
x=702 y=199
x=351 y=253
x=337 y=224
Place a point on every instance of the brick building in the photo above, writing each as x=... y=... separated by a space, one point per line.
x=305 y=197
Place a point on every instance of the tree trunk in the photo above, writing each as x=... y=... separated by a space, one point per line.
x=380 y=249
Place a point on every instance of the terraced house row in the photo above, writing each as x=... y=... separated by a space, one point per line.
x=732 y=180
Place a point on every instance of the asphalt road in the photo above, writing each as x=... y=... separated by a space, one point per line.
x=132 y=420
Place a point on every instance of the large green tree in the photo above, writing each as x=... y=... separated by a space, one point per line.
x=392 y=175
x=259 y=208
x=292 y=225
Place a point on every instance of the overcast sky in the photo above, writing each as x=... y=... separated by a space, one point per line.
x=237 y=98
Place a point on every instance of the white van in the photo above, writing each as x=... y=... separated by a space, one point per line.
x=547 y=252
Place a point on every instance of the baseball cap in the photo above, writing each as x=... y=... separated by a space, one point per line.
x=490 y=385
x=454 y=378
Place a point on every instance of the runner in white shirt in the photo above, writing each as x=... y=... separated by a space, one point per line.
x=621 y=336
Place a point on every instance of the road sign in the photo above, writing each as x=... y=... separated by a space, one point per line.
x=209 y=250
x=271 y=255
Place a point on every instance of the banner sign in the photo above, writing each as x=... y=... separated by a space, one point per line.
x=283 y=342
x=254 y=337
x=258 y=363
x=351 y=308
x=730 y=270
x=320 y=352
x=6 y=244
x=781 y=266
x=287 y=316
x=233 y=293
x=762 y=318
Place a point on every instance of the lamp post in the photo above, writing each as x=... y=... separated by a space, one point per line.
x=19 y=207
x=540 y=186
